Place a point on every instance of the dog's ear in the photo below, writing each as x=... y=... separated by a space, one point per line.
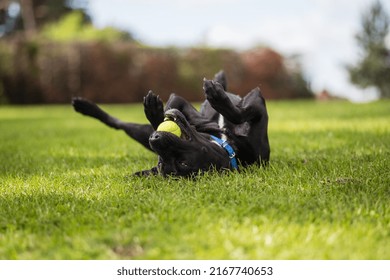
x=220 y=77
x=146 y=173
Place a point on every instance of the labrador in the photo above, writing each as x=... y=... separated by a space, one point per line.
x=228 y=132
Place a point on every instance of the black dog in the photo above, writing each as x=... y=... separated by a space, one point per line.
x=227 y=131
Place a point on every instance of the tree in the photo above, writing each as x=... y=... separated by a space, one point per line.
x=373 y=68
x=70 y=17
x=31 y=15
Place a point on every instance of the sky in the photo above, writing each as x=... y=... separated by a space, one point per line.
x=321 y=32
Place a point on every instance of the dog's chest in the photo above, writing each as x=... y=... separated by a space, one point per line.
x=239 y=129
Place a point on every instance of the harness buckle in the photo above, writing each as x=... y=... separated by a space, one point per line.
x=224 y=144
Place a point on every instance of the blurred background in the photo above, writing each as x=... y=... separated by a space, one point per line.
x=115 y=51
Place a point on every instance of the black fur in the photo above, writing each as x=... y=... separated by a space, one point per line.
x=243 y=122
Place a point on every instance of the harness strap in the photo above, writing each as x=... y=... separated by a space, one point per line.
x=232 y=155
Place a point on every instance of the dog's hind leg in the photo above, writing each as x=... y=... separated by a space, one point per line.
x=139 y=132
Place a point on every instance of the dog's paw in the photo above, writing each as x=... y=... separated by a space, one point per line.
x=220 y=77
x=154 y=109
x=85 y=107
x=214 y=91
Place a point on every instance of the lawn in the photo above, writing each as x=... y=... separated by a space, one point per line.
x=66 y=190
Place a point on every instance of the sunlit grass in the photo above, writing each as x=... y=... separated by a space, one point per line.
x=66 y=190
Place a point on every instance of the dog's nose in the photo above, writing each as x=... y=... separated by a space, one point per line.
x=155 y=136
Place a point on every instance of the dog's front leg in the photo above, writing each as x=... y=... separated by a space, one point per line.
x=219 y=100
x=154 y=109
x=248 y=109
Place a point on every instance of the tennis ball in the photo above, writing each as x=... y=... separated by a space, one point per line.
x=170 y=126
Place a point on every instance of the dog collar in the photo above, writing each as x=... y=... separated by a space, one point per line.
x=232 y=155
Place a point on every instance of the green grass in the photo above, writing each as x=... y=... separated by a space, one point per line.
x=66 y=193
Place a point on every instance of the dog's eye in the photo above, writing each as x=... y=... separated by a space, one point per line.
x=183 y=164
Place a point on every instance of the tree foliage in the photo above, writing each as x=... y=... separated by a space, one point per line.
x=373 y=69
x=56 y=20
x=31 y=15
x=72 y=27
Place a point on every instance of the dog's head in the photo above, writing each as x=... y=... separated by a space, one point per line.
x=188 y=154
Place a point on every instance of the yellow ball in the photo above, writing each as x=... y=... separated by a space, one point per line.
x=170 y=126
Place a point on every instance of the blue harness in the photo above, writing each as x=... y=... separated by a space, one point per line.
x=232 y=155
